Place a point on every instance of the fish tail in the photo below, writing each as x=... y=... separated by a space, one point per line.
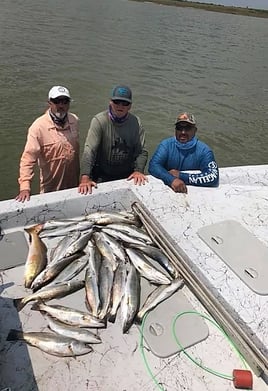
x=102 y=316
x=27 y=284
x=36 y=306
x=138 y=319
x=14 y=335
x=35 y=288
x=35 y=228
x=111 y=318
x=126 y=327
x=18 y=303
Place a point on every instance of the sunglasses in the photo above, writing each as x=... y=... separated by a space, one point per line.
x=186 y=127
x=65 y=101
x=121 y=102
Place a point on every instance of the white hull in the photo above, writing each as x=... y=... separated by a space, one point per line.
x=116 y=364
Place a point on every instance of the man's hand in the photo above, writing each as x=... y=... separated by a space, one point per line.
x=175 y=173
x=139 y=178
x=178 y=186
x=23 y=195
x=86 y=184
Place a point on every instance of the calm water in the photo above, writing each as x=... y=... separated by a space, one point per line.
x=174 y=59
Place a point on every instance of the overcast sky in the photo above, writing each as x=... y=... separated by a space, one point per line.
x=262 y=4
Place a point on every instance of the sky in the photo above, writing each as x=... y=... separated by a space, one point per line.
x=259 y=4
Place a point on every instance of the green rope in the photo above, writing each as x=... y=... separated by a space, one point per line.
x=224 y=376
x=144 y=357
x=228 y=377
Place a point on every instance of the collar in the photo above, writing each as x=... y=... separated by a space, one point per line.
x=58 y=121
x=69 y=121
x=114 y=118
x=190 y=144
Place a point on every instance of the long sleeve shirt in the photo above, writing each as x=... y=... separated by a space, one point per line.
x=55 y=150
x=200 y=157
x=114 y=150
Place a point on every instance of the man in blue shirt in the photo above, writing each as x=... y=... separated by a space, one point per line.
x=175 y=156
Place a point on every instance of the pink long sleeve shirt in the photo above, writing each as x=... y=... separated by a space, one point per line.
x=55 y=150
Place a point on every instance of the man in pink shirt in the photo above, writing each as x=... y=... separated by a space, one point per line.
x=53 y=144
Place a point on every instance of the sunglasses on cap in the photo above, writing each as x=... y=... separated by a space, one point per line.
x=65 y=101
x=184 y=126
x=121 y=102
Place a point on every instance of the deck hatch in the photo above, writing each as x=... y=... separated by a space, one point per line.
x=243 y=252
x=13 y=250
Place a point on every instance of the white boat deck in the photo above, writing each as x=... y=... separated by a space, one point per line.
x=117 y=364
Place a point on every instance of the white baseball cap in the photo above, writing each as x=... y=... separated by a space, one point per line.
x=57 y=91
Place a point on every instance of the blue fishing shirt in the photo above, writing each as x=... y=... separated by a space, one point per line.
x=170 y=154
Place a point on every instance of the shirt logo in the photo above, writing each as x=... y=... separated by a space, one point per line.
x=212 y=164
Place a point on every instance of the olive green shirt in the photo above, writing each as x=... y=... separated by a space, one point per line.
x=114 y=150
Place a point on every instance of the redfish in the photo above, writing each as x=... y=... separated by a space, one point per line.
x=37 y=255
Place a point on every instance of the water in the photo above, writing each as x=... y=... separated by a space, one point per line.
x=174 y=59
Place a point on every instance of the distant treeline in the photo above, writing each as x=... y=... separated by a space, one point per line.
x=212 y=7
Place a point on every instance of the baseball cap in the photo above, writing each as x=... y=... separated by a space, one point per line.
x=185 y=117
x=57 y=91
x=122 y=93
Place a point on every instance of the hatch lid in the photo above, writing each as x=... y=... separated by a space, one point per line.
x=243 y=252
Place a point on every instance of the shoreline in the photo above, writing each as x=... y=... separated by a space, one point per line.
x=258 y=13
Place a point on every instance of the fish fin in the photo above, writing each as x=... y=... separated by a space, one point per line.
x=18 y=303
x=71 y=351
x=14 y=335
x=88 y=306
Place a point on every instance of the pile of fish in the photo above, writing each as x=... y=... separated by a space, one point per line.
x=112 y=252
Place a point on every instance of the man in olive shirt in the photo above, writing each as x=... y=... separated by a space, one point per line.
x=115 y=145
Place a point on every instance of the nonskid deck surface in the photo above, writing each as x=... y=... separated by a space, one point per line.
x=117 y=363
x=114 y=364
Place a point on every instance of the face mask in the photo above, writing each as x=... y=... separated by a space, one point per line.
x=58 y=118
x=60 y=115
x=116 y=119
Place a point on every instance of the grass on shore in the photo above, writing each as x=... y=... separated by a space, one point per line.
x=212 y=7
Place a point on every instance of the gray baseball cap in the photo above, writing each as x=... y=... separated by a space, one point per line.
x=122 y=93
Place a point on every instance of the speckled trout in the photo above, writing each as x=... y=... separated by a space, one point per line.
x=92 y=279
x=49 y=293
x=104 y=218
x=157 y=255
x=72 y=270
x=106 y=278
x=118 y=289
x=131 y=299
x=146 y=269
x=80 y=334
x=105 y=248
x=52 y=271
x=69 y=315
x=158 y=295
x=54 y=344
x=132 y=231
